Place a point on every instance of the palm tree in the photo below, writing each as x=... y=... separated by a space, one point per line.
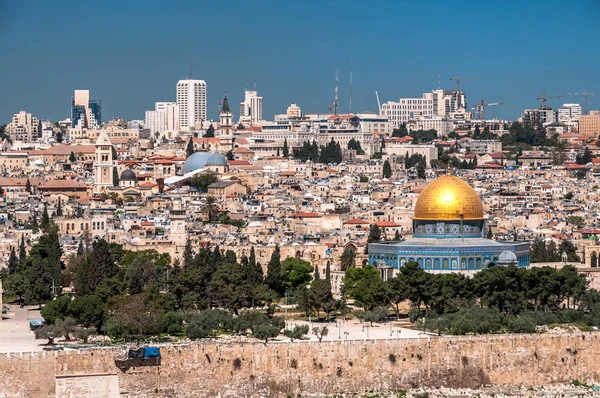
x=210 y=208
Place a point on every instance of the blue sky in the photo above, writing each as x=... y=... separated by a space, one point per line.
x=130 y=54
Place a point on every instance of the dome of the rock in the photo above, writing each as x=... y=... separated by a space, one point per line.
x=448 y=198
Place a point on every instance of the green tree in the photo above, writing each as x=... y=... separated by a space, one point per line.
x=59 y=211
x=210 y=132
x=42 y=267
x=97 y=266
x=45 y=217
x=115 y=174
x=202 y=181
x=56 y=309
x=256 y=271
x=286 y=149
x=348 y=258
x=13 y=262
x=489 y=234
x=189 y=150
x=295 y=272
x=231 y=288
x=297 y=333
x=274 y=278
x=397 y=237
x=22 y=251
x=387 y=169
x=374 y=234
x=136 y=313
x=48 y=332
x=421 y=171
x=72 y=157
x=59 y=136
x=210 y=208
x=87 y=310
x=397 y=292
x=28 y=186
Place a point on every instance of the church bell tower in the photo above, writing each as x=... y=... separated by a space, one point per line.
x=104 y=163
x=225 y=119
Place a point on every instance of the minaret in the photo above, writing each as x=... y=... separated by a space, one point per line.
x=225 y=118
x=104 y=163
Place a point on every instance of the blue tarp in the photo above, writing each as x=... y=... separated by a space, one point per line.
x=151 y=352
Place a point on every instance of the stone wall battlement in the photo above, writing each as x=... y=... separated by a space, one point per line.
x=278 y=369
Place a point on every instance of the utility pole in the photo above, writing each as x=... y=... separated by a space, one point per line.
x=337 y=83
x=350 y=106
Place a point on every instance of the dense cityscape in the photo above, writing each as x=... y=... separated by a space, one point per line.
x=302 y=253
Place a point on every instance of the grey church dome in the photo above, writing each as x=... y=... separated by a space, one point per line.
x=128 y=175
x=216 y=159
x=200 y=160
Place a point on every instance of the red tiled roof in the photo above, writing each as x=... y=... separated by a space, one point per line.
x=385 y=224
x=356 y=221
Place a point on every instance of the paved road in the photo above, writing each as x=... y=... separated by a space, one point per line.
x=14 y=330
x=355 y=330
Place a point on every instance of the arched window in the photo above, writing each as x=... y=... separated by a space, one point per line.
x=594 y=260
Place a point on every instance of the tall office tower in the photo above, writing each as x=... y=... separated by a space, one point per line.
x=171 y=112
x=85 y=113
x=569 y=112
x=251 y=108
x=164 y=117
x=24 y=127
x=191 y=100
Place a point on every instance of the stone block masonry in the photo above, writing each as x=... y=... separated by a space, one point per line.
x=278 y=369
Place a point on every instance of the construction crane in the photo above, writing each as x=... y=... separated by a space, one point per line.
x=458 y=79
x=544 y=97
x=586 y=94
x=480 y=108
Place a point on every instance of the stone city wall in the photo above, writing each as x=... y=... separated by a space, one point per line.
x=278 y=369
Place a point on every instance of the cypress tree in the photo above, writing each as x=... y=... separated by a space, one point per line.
x=317 y=275
x=22 y=251
x=328 y=271
x=387 y=169
x=59 y=211
x=273 y=278
x=28 y=186
x=256 y=269
x=80 y=248
x=115 y=177
x=45 y=217
x=189 y=150
x=97 y=266
x=286 y=150
x=13 y=262
x=188 y=255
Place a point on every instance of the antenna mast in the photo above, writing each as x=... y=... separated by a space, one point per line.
x=350 y=107
x=190 y=71
x=439 y=82
x=335 y=101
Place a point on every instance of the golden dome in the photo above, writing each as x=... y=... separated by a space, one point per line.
x=446 y=199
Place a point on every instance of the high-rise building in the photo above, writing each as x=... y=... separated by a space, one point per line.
x=535 y=117
x=24 y=127
x=191 y=101
x=590 y=124
x=569 y=112
x=164 y=117
x=294 y=111
x=445 y=104
x=171 y=112
x=85 y=113
x=251 y=108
